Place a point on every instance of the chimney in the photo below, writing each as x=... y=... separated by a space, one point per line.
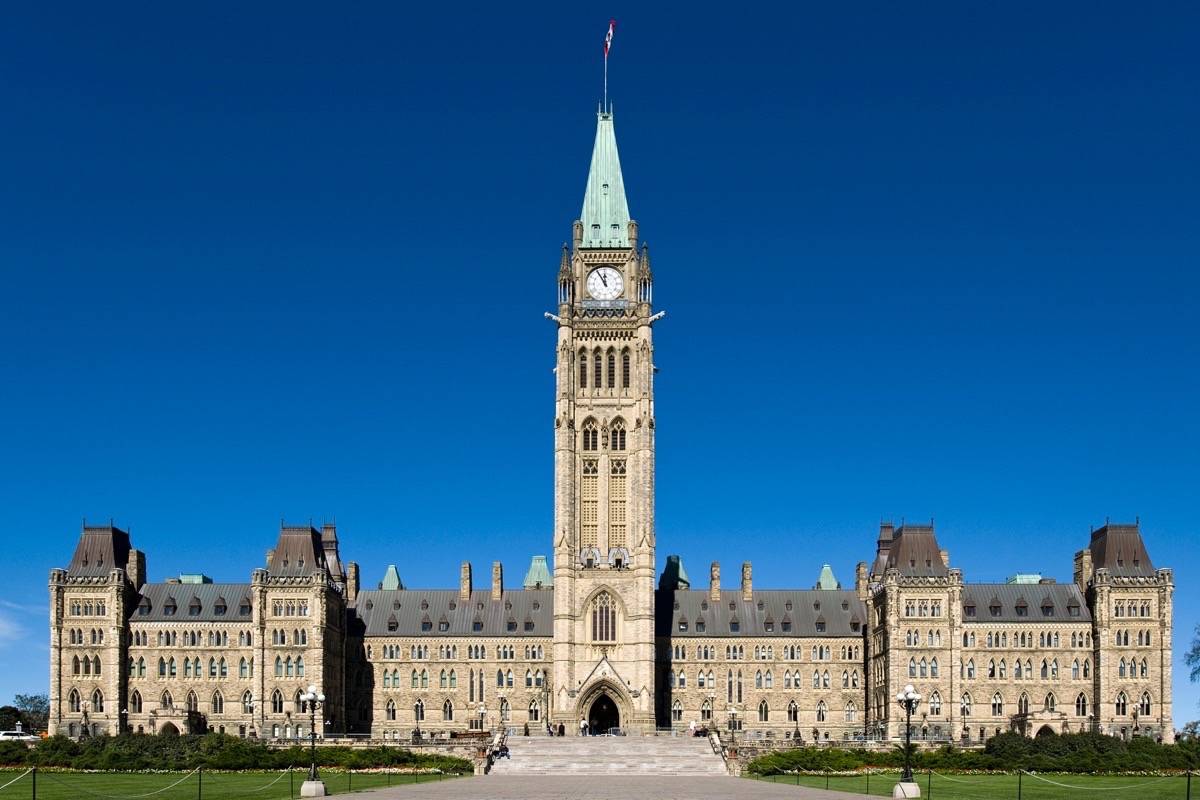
x=1083 y=568
x=464 y=582
x=351 y=583
x=946 y=558
x=135 y=568
x=747 y=583
x=714 y=582
x=497 y=581
x=270 y=555
x=860 y=580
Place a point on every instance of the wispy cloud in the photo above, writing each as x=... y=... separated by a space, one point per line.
x=9 y=630
x=25 y=608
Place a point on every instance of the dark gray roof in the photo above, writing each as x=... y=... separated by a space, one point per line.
x=1060 y=596
x=101 y=549
x=298 y=553
x=1120 y=550
x=836 y=608
x=412 y=607
x=915 y=552
x=158 y=595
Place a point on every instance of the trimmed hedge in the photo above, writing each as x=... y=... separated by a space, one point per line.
x=212 y=751
x=1073 y=752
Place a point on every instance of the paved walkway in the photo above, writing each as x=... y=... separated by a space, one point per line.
x=583 y=787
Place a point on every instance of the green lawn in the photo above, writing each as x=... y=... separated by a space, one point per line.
x=978 y=787
x=79 y=785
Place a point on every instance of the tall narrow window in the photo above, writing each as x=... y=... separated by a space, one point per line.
x=625 y=369
x=589 y=503
x=604 y=619
x=591 y=435
x=616 y=437
x=617 y=491
x=612 y=369
x=597 y=368
x=583 y=369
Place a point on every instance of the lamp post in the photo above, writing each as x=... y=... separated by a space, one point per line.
x=313 y=787
x=122 y=721
x=908 y=699
x=482 y=716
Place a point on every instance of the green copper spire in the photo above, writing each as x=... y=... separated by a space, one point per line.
x=605 y=215
x=826 y=580
x=391 y=579
x=538 y=575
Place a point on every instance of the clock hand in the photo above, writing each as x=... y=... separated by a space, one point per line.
x=604 y=280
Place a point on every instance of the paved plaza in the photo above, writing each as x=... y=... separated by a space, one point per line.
x=584 y=787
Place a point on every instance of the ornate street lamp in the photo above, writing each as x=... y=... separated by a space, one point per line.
x=908 y=699
x=313 y=787
x=482 y=717
x=122 y=721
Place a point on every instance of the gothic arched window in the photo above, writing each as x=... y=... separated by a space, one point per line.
x=135 y=702
x=583 y=369
x=1081 y=705
x=591 y=435
x=597 y=368
x=1122 y=705
x=617 y=437
x=604 y=619
x=625 y=369
x=764 y=711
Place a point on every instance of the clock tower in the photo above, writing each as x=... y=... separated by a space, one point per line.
x=604 y=461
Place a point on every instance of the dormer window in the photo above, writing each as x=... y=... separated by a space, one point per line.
x=426 y=624
x=220 y=608
x=169 y=607
x=699 y=626
x=443 y=625
x=477 y=625
x=769 y=626
x=144 y=607
x=393 y=624
x=511 y=625
x=683 y=625
x=528 y=625
x=787 y=624
x=969 y=610
x=734 y=626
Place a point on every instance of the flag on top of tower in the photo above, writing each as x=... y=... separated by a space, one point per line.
x=612 y=26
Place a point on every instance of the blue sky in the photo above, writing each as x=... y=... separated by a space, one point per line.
x=919 y=261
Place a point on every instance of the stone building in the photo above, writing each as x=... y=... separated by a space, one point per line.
x=593 y=636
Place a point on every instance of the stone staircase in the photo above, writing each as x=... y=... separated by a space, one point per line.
x=610 y=755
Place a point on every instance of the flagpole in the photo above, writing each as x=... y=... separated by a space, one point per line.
x=606 y=83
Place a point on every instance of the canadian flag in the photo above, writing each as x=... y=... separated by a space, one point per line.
x=612 y=26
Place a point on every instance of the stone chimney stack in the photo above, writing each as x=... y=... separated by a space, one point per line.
x=464 y=582
x=497 y=581
x=714 y=582
x=135 y=568
x=747 y=583
x=1083 y=568
x=270 y=555
x=860 y=580
x=946 y=558
x=351 y=583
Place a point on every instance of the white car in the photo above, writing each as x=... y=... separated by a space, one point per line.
x=16 y=736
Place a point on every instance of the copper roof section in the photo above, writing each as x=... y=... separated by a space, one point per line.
x=300 y=552
x=1120 y=550
x=998 y=602
x=101 y=549
x=915 y=552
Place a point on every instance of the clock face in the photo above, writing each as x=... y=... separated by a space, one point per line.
x=605 y=283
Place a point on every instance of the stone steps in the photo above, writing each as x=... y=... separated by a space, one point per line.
x=609 y=755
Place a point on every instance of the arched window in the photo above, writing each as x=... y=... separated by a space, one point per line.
x=933 y=668
x=1144 y=705
x=677 y=711
x=912 y=668
x=453 y=679
x=276 y=702
x=424 y=679
x=822 y=710
x=1023 y=704
x=505 y=710
x=617 y=435
x=419 y=711
x=73 y=701
x=851 y=711
x=166 y=701
x=193 y=702
x=535 y=711
x=508 y=679
x=612 y=369
x=597 y=368
x=218 y=703
x=447 y=711
x=793 y=713
x=1081 y=705
x=1121 y=707
x=1049 y=702
x=997 y=705
x=389 y=710
x=764 y=712
x=965 y=705
x=625 y=376
x=935 y=704
x=604 y=619
x=135 y=701
x=583 y=369
x=591 y=435
x=247 y=702
x=758 y=679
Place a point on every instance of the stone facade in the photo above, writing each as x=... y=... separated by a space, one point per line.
x=597 y=639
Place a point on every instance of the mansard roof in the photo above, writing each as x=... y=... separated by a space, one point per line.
x=914 y=551
x=299 y=552
x=157 y=597
x=605 y=214
x=803 y=608
x=538 y=574
x=408 y=609
x=1007 y=597
x=1120 y=550
x=101 y=548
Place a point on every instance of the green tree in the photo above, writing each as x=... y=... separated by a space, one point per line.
x=35 y=711
x=1193 y=655
x=9 y=717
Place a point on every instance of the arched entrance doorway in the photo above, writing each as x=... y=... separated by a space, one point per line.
x=603 y=715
